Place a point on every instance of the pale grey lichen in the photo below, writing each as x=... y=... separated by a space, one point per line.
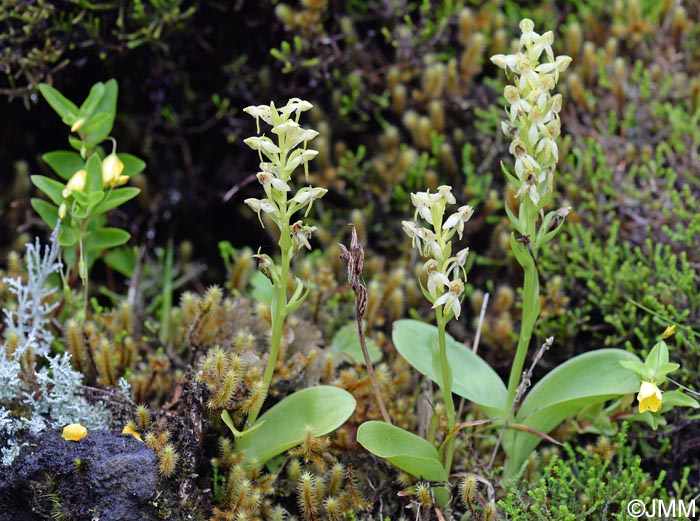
x=52 y=396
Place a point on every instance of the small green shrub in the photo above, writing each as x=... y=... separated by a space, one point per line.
x=584 y=483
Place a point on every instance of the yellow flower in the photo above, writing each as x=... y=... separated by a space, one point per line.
x=75 y=183
x=649 y=397
x=74 y=432
x=129 y=429
x=112 y=169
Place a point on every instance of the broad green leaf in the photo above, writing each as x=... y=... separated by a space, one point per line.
x=663 y=369
x=649 y=418
x=473 y=378
x=93 y=99
x=638 y=367
x=323 y=408
x=115 y=198
x=94 y=198
x=596 y=373
x=346 y=345
x=658 y=356
x=122 y=260
x=132 y=164
x=678 y=398
x=263 y=290
x=590 y=378
x=97 y=128
x=80 y=197
x=93 y=183
x=47 y=211
x=108 y=102
x=62 y=105
x=403 y=449
x=67 y=236
x=76 y=143
x=52 y=188
x=100 y=124
x=64 y=162
x=104 y=238
x=80 y=211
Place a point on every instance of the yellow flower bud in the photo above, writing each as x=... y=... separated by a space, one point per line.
x=112 y=168
x=649 y=397
x=75 y=183
x=62 y=211
x=74 y=432
x=669 y=331
x=77 y=125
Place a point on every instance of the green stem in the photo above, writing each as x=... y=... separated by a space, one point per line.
x=279 y=315
x=83 y=270
x=531 y=297
x=531 y=310
x=446 y=388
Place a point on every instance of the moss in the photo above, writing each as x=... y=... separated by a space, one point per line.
x=584 y=481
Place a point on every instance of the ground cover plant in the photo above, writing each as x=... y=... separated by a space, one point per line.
x=424 y=260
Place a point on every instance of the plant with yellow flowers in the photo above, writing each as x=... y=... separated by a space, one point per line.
x=653 y=372
x=91 y=181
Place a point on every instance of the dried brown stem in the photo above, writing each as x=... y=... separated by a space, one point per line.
x=355 y=257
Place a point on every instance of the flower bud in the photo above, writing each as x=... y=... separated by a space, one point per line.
x=77 y=125
x=302 y=157
x=112 y=168
x=75 y=183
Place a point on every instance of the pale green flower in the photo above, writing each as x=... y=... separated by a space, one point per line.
x=451 y=299
x=436 y=280
x=458 y=219
x=301 y=234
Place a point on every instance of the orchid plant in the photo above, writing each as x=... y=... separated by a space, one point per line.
x=446 y=275
x=277 y=163
x=324 y=407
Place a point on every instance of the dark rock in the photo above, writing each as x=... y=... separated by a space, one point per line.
x=105 y=476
